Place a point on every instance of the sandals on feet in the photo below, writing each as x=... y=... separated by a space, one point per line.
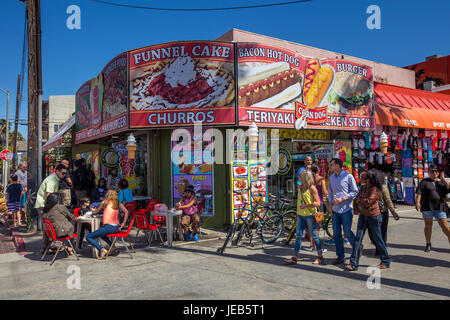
x=292 y=260
x=103 y=253
x=320 y=261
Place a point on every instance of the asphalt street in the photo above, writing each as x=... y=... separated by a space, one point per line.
x=194 y=271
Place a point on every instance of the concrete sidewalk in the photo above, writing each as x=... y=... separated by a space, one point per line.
x=194 y=271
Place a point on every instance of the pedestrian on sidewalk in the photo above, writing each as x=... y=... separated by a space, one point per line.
x=430 y=200
x=307 y=203
x=49 y=185
x=13 y=194
x=80 y=180
x=386 y=205
x=368 y=208
x=65 y=185
x=342 y=189
x=21 y=174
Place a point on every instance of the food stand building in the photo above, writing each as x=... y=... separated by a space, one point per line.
x=240 y=79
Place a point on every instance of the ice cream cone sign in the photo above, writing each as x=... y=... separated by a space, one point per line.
x=383 y=142
x=131 y=146
x=253 y=137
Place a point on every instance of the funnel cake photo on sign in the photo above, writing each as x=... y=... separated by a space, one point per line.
x=269 y=85
x=183 y=82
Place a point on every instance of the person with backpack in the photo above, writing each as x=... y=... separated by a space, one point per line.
x=80 y=180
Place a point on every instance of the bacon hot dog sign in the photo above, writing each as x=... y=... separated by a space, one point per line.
x=181 y=83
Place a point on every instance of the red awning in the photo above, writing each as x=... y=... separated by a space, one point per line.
x=404 y=107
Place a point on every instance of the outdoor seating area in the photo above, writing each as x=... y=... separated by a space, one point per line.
x=144 y=229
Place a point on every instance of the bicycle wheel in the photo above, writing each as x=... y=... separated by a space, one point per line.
x=328 y=226
x=235 y=242
x=230 y=235
x=289 y=220
x=271 y=229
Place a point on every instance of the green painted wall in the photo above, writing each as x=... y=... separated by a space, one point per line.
x=162 y=185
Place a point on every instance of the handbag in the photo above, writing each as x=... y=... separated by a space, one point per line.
x=319 y=216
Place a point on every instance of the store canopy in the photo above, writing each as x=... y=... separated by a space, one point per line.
x=56 y=139
x=404 y=107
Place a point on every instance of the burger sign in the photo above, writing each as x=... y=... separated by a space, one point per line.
x=337 y=94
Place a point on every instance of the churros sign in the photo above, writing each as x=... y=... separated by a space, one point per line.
x=180 y=83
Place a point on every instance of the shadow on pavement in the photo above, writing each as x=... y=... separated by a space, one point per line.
x=276 y=258
x=414 y=247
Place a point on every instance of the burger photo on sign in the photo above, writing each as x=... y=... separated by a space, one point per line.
x=351 y=94
x=269 y=85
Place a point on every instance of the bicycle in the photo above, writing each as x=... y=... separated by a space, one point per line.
x=287 y=212
x=268 y=224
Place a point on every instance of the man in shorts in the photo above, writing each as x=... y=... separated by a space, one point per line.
x=430 y=200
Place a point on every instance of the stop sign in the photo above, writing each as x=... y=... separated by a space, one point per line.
x=6 y=155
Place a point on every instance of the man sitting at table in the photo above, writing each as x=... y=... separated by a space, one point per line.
x=190 y=219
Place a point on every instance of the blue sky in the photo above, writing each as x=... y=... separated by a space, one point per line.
x=410 y=31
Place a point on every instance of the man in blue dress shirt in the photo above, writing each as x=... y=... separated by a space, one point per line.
x=342 y=189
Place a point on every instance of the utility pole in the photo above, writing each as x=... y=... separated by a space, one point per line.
x=5 y=163
x=16 y=123
x=34 y=94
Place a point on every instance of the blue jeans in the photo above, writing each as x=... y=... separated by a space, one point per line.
x=374 y=225
x=345 y=220
x=302 y=222
x=102 y=232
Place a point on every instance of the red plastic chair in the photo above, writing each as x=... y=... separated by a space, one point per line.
x=150 y=207
x=76 y=212
x=122 y=235
x=141 y=222
x=51 y=234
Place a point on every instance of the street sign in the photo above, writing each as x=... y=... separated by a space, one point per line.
x=6 y=155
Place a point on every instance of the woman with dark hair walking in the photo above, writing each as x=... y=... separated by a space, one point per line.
x=369 y=217
x=386 y=205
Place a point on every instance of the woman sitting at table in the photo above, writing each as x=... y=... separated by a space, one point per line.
x=60 y=217
x=190 y=218
x=98 y=194
x=125 y=194
x=110 y=207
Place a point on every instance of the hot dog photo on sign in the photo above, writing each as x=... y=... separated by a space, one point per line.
x=268 y=77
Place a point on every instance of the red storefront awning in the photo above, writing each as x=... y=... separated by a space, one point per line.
x=404 y=107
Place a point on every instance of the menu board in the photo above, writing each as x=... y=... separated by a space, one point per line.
x=193 y=166
x=248 y=176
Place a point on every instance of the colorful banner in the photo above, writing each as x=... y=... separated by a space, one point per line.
x=343 y=151
x=248 y=174
x=270 y=80
x=127 y=168
x=180 y=83
x=101 y=103
x=195 y=168
x=281 y=88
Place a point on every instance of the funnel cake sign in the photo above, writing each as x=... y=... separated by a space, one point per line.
x=180 y=83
